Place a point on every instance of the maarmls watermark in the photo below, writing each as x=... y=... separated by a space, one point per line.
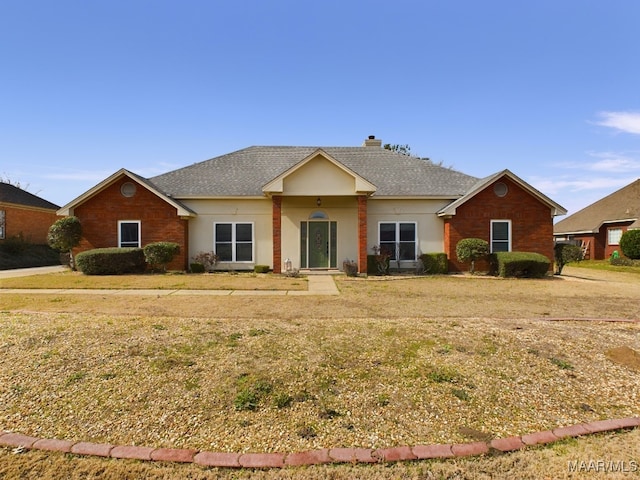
x=603 y=466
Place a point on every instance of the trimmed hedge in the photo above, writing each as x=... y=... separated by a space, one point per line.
x=630 y=244
x=111 y=261
x=435 y=263
x=519 y=264
x=261 y=269
x=159 y=254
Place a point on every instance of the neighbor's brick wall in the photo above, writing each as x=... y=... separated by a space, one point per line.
x=531 y=223
x=100 y=214
x=32 y=223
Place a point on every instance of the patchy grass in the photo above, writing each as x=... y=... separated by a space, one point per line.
x=168 y=281
x=386 y=363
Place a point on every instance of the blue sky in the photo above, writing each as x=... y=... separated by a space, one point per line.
x=547 y=89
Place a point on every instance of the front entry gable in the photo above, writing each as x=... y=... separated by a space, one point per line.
x=319 y=174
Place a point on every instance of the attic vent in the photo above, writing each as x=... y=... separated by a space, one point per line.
x=500 y=189
x=128 y=189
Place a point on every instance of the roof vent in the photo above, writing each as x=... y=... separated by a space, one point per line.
x=372 y=142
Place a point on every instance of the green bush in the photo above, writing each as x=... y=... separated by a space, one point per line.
x=565 y=253
x=261 y=269
x=64 y=235
x=470 y=250
x=196 y=268
x=519 y=264
x=623 y=262
x=435 y=263
x=630 y=244
x=111 y=261
x=159 y=254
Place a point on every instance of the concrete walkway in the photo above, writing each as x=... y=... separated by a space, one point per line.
x=317 y=285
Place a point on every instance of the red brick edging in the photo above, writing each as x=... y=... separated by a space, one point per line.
x=315 y=457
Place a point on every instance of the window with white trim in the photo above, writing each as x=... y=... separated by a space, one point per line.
x=500 y=236
x=613 y=236
x=129 y=233
x=398 y=238
x=233 y=242
x=2 y=223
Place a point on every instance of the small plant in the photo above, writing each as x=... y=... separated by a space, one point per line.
x=282 y=400
x=443 y=375
x=350 y=268
x=261 y=269
x=383 y=400
x=382 y=259
x=208 y=259
x=75 y=377
x=196 y=267
x=561 y=363
x=306 y=431
x=460 y=394
x=470 y=250
x=246 y=399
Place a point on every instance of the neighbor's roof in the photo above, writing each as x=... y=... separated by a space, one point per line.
x=12 y=194
x=245 y=172
x=619 y=206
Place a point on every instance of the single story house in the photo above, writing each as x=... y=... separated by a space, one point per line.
x=598 y=227
x=25 y=215
x=314 y=207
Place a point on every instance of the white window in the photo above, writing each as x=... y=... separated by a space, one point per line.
x=613 y=236
x=398 y=238
x=500 y=236
x=233 y=242
x=129 y=233
x=2 y=223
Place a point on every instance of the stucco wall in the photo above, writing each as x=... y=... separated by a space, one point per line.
x=256 y=211
x=423 y=212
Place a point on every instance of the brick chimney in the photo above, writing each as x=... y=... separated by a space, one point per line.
x=372 y=142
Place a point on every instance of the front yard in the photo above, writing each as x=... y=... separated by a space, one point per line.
x=388 y=362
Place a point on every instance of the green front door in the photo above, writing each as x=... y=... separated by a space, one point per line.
x=318 y=244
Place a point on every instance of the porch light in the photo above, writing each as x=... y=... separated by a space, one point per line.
x=319 y=201
x=287 y=265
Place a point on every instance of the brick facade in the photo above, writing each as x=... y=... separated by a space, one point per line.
x=159 y=221
x=30 y=223
x=531 y=222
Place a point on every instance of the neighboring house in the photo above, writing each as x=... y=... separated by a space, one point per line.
x=25 y=215
x=315 y=207
x=599 y=226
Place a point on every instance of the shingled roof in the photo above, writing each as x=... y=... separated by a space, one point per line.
x=245 y=172
x=621 y=205
x=17 y=196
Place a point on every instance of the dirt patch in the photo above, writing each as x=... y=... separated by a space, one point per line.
x=625 y=356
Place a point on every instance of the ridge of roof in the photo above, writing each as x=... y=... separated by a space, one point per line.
x=244 y=172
